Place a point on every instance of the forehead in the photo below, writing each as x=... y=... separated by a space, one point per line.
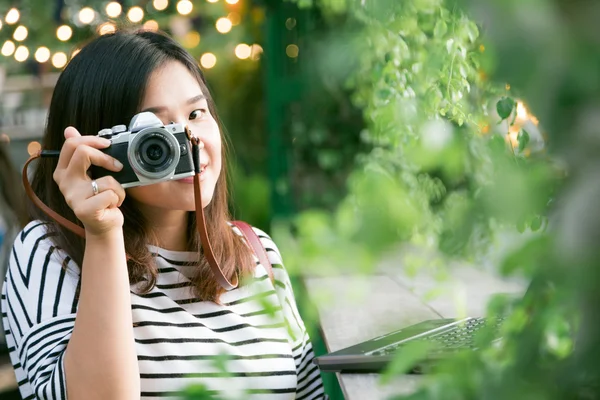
x=170 y=83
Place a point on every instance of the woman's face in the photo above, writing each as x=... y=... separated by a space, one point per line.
x=173 y=94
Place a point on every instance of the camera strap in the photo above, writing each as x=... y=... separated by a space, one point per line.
x=78 y=230
x=200 y=220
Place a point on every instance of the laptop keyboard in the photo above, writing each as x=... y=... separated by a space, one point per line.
x=456 y=336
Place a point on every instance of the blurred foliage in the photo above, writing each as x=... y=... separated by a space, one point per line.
x=450 y=167
x=434 y=174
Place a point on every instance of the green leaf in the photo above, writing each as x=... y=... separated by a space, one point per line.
x=536 y=223
x=440 y=28
x=505 y=107
x=523 y=139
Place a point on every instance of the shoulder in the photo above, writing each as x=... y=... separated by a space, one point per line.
x=267 y=243
x=35 y=254
x=33 y=236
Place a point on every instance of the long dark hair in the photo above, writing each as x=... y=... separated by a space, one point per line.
x=103 y=86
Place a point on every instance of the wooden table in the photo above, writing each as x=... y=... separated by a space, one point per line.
x=355 y=308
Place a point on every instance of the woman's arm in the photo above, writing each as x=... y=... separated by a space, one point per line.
x=100 y=360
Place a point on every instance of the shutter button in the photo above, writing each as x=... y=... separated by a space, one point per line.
x=105 y=133
x=118 y=129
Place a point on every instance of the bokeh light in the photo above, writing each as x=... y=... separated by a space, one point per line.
x=64 y=33
x=208 y=60
x=12 y=16
x=135 y=14
x=223 y=25
x=21 y=54
x=292 y=51
x=107 y=27
x=151 y=25
x=59 y=59
x=243 y=51
x=184 y=7
x=20 y=33
x=86 y=15
x=160 y=4
x=42 y=54
x=8 y=48
x=113 y=9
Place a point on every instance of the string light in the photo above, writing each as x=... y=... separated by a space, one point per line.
x=64 y=33
x=243 y=51
x=20 y=33
x=151 y=25
x=86 y=15
x=231 y=1
x=8 y=48
x=184 y=7
x=0 y=24
x=292 y=51
x=59 y=59
x=160 y=4
x=107 y=27
x=33 y=148
x=223 y=25
x=42 y=54
x=12 y=16
x=113 y=9
x=135 y=14
x=208 y=60
x=212 y=1
x=21 y=54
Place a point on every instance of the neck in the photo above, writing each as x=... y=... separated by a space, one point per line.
x=169 y=227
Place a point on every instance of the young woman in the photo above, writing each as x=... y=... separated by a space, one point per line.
x=86 y=322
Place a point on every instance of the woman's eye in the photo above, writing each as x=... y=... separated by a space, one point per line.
x=198 y=113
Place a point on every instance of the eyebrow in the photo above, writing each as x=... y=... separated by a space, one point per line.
x=159 y=109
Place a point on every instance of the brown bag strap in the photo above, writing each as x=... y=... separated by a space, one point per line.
x=254 y=242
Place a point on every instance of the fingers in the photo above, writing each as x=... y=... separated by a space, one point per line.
x=78 y=191
x=73 y=141
x=71 y=132
x=84 y=156
x=107 y=183
x=93 y=207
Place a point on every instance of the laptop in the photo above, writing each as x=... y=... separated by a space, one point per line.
x=446 y=335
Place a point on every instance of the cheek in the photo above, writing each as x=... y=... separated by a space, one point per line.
x=142 y=194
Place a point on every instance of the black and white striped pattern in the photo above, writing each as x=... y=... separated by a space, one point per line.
x=254 y=345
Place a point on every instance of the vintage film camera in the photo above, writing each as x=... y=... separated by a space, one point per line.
x=149 y=151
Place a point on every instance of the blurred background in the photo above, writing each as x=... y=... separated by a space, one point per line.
x=466 y=130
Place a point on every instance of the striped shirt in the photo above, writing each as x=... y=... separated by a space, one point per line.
x=253 y=345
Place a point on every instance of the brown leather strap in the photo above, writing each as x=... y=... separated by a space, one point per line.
x=256 y=245
x=201 y=226
x=78 y=230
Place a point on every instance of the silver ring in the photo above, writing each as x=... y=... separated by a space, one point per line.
x=95 y=187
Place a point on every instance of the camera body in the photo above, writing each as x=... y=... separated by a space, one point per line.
x=149 y=151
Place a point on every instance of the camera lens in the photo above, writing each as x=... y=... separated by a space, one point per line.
x=155 y=153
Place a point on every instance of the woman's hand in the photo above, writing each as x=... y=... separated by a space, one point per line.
x=99 y=212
